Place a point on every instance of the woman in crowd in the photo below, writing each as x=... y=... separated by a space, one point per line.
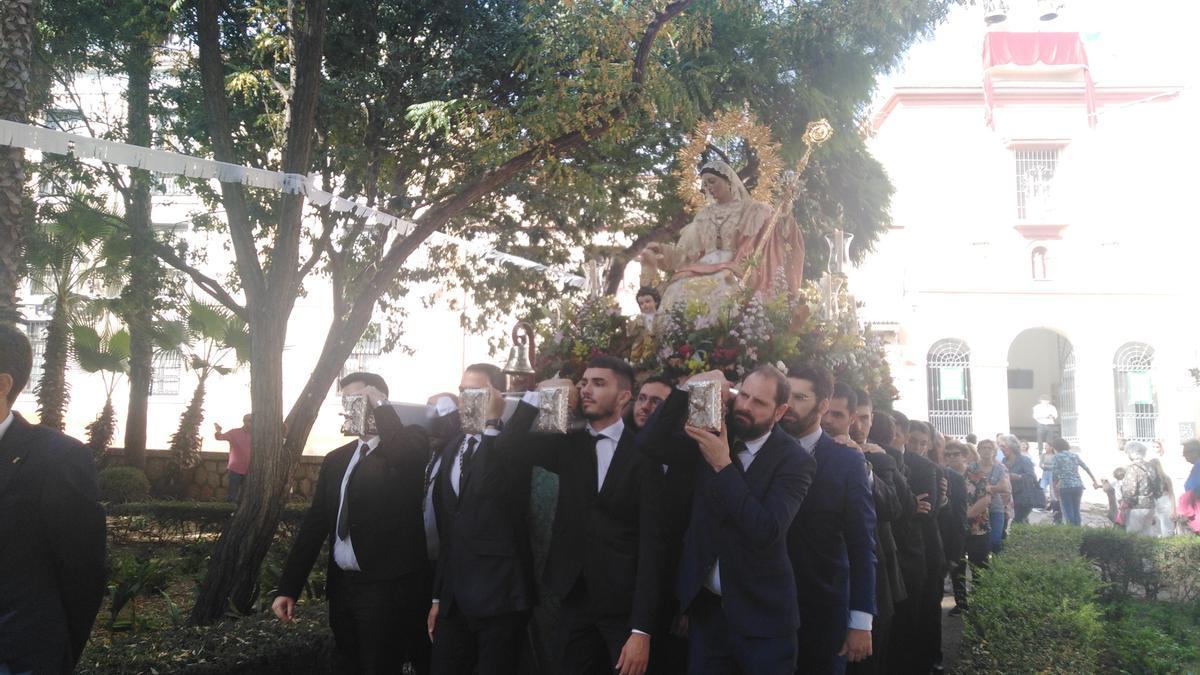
x=1027 y=494
x=1049 y=487
x=1189 y=501
x=1164 y=506
x=1066 y=478
x=999 y=488
x=961 y=459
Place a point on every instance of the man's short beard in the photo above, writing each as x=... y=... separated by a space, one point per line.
x=799 y=427
x=593 y=416
x=747 y=430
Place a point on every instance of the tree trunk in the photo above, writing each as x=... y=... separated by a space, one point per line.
x=52 y=394
x=100 y=431
x=16 y=50
x=139 y=297
x=185 y=444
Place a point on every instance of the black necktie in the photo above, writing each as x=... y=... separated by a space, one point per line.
x=343 y=523
x=465 y=455
x=739 y=446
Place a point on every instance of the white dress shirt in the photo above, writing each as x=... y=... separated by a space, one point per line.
x=343 y=549
x=6 y=424
x=606 y=446
x=745 y=458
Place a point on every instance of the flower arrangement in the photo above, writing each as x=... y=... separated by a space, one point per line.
x=585 y=329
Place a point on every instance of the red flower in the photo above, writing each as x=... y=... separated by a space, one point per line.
x=724 y=355
x=685 y=351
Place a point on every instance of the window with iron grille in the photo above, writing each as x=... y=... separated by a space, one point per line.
x=165 y=373
x=1036 y=168
x=1137 y=400
x=948 y=367
x=36 y=331
x=365 y=357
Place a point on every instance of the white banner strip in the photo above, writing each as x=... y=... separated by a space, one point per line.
x=56 y=142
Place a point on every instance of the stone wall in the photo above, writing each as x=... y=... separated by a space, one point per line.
x=209 y=480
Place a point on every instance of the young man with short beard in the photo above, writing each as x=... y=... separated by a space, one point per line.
x=736 y=583
x=832 y=540
x=605 y=560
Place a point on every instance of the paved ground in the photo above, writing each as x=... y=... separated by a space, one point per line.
x=1093 y=515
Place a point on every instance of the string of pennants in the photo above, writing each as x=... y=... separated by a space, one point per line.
x=57 y=142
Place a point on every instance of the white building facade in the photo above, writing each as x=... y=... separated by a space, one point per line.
x=1049 y=253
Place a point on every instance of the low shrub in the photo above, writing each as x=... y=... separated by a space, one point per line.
x=1151 y=637
x=1125 y=560
x=174 y=521
x=1034 y=614
x=121 y=484
x=1043 y=541
x=258 y=645
x=1178 y=563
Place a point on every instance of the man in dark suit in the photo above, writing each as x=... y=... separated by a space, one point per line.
x=367 y=503
x=51 y=532
x=605 y=560
x=832 y=541
x=921 y=558
x=873 y=431
x=670 y=642
x=735 y=580
x=483 y=591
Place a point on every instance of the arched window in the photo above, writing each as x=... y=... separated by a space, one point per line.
x=1137 y=402
x=1037 y=263
x=949 y=373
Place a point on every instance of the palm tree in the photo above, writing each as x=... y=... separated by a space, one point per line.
x=219 y=342
x=104 y=351
x=16 y=56
x=71 y=241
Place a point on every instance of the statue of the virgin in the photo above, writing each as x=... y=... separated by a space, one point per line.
x=733 y=244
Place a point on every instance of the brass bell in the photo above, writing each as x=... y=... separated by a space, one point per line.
x=518 y=363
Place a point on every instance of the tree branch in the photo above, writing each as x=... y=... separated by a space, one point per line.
x=233 y=195
x=205 y=282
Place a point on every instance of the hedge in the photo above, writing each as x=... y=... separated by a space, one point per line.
x=1060 y=600
x=259 y=645
x=171 y=521
x=121 y=484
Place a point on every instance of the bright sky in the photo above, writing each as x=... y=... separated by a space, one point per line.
x=1148 y=41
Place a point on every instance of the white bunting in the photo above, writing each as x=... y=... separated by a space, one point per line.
x=31 y=137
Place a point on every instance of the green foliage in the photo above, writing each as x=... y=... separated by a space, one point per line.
x=1032 y=615
x=252 y=645
x=1178 y=562
x=100 y=431
x=1043 y=541
x=1151 y=637
x=164 y=522
x=121 y=484
x=130 y=579
x=1124 y=560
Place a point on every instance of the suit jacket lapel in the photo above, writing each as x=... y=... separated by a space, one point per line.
x=765 y=459
x=13 y=450
x=622 y=457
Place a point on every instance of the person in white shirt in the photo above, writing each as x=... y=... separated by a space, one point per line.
x=1046 y=417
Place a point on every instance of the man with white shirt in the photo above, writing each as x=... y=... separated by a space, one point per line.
x=368 y=502
x=606 y=548
x=735 y=581
x=51 y=532
x=1046 y=416
x=832 y=541
x=483 y=590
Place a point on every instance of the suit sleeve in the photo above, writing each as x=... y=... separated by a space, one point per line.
x=663 y=439
x=314 y=530
x=887 y=499
x=923 y=479
x=647 y=598
x=860 y=538
x=762 y=523
x=519 y=444
x=76 y=532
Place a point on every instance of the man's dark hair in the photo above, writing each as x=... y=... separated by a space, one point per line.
x=620 y=368
x=652 y=292
x=657 y=378
x=493 y=373
x=863 y=398
x=972 y=439
x=919 y=427
x=843 y=390
x=1191 y=445
x=900 y=419
x=883 y=429
x=783 y=388
x=16 y=359
x=1060 y=445
x=368 y=379
x=818 y=377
